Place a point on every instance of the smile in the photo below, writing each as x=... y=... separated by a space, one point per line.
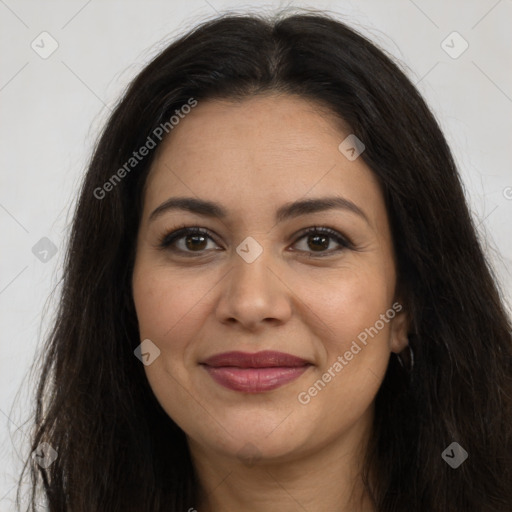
x=254 y=373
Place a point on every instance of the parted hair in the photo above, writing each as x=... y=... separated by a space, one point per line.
x=118 y=451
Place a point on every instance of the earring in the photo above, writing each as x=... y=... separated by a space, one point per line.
x=406 y=358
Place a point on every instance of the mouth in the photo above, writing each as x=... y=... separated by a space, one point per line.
x=254 y=373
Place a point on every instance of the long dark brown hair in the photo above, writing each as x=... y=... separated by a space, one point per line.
x=118 y=450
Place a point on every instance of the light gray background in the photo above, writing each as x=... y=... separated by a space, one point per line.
x=52 y=110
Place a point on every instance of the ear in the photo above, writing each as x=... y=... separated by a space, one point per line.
x=399 y=328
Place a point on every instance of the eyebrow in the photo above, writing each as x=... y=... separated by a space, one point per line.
x=285 y=212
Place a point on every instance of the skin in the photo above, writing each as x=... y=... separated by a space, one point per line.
x=252 y=157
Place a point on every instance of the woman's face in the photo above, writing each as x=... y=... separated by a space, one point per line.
x=257 y=281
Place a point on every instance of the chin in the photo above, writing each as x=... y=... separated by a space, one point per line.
x=256 y=439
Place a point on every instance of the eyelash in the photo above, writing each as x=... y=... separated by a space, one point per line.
x=169 y=238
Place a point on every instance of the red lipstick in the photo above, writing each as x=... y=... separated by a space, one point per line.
x=256 y=372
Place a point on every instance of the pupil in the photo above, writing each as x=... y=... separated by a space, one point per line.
x=319 y=241
x=317 y=237
x=195 y=245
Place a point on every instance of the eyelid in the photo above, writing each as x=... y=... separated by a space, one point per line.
x=179 y=232
x=333 y=233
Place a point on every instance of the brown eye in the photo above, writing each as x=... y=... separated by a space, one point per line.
x=195 y=241
x=190 y=240
x=318 y=240
x=186 y=240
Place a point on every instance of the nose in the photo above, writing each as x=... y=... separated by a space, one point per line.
x=254 y=294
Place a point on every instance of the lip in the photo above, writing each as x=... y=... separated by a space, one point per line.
x=264 y=359
x=254 y=372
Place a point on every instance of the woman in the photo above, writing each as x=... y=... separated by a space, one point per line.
x=274 y=295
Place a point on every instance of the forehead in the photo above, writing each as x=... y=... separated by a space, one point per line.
x=267 y=149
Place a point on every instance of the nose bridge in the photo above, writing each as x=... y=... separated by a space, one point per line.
x=252 y=278
x=252 y=291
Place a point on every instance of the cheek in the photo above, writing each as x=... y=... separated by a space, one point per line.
x=166 y=305
x=169 y=310
x=355 y=343
x=348 y=302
